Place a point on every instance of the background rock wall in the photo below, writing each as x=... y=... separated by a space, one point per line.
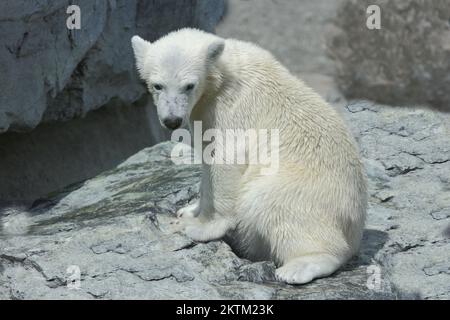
x=50 y=75
x=405 y=62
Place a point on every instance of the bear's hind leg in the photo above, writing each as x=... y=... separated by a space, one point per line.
x=306 y=268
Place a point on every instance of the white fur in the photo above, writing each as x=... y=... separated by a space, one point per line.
x=190 y=211
x=308 y=217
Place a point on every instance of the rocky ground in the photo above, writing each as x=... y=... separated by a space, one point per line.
x=115 y=228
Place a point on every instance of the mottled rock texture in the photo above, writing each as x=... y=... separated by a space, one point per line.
x=48 y=72
x=407 y=158
x=116 y=228
x=405 y=62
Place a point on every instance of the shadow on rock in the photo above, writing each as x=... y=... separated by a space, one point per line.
x=372 y=242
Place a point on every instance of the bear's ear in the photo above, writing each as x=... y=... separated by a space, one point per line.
x=215 y=49
x=140 y=48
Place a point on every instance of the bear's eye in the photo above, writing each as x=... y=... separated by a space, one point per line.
x=157 y=87
x=189 y=87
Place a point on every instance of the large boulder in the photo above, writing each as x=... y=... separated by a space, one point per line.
x=405 y=62
x=115 y=229
x=49 y=72
x=76 y=92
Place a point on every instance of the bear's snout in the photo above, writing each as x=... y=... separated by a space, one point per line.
x=172 y=122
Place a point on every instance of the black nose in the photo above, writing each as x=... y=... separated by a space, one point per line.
x=172 y=123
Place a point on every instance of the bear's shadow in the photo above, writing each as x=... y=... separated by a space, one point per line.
x=372 y=242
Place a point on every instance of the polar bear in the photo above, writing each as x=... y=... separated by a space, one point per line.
x=308 y=217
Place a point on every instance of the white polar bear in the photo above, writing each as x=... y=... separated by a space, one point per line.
x=308 y=217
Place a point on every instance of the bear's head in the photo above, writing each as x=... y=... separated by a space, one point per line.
x=175 y=68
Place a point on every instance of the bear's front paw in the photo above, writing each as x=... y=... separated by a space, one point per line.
x=190 y=211
x=196 y=233
x=209 y=231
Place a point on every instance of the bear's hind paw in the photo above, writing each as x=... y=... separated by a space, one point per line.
x=306 y=268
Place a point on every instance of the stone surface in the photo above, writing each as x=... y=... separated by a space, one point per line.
x=116 y=228
x=50 y=73
x=406 y=62
x=407 y=158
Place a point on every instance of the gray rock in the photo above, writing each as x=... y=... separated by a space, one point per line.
x=407 y=155
x=50 y=73
x=406 y=62
x=117 y=229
